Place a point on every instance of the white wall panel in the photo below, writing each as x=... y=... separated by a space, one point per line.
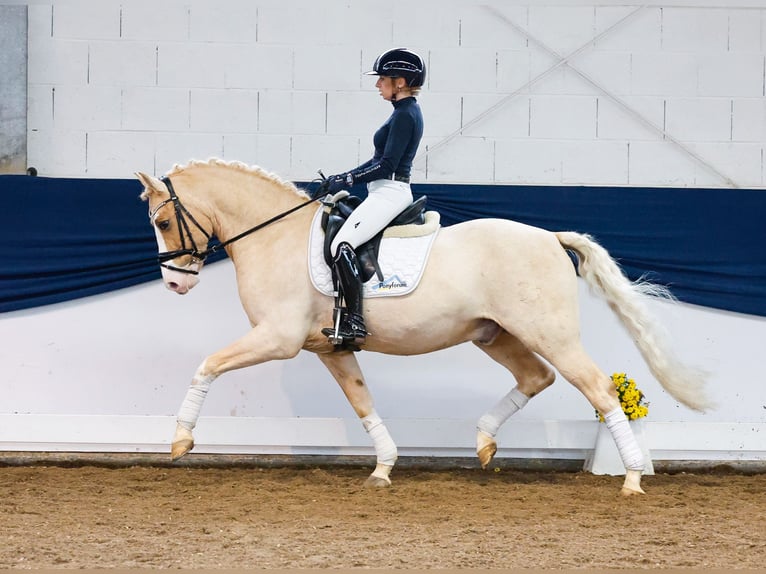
x=660 y=163
x=353 y=113
x=562 y=28
x=39 y=108
x=80 y=19
x=660 y=74
x=748 y=120
x=60 y=151
x=326 y=67
x=695 y=58
x=366 y=24
x=513 y=71
x=482 y=29
x=617 y=122
x=331 y=154
x=155 y=109
x=109 y=153
x=510 y=120
x=225 y=111
x=87 y=107
x=223 y=22
x=57 y=62
x=270 y=152
x=641 y=31
x=731 y=75
x=443 y=30
x=529 y=160
x=442 y=113
x=173 y=148
x=745 y=31
x=608 y=70
x=590 y=162
x=744 y=159
x=259 y=66
x=298 y=23
x=472 y=157
x=562 y=118
x=155 y=21
x=699 y=120
x=297 y=113
x=463 y=70
x=550 y=77
x=191 y=65
x=698 y=30
x=122 y=63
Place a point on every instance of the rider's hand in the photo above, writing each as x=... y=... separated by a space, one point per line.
x=336 y=183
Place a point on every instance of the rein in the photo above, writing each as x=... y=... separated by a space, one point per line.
x=183 y=226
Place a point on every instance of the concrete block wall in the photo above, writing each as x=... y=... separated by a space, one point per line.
x=665 y=95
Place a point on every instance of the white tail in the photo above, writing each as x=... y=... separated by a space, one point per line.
x=627 y=299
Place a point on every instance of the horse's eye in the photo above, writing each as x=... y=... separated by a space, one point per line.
x=163 y=225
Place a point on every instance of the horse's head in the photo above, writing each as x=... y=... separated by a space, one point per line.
x=181 y=239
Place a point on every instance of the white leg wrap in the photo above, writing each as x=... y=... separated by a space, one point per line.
x=385 y=449
x=630 y=452
x=501 y=412
x=195 y=396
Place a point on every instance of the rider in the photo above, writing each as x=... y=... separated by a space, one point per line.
x=387 y=175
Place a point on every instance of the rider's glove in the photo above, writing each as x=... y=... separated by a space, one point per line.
x=338 y=182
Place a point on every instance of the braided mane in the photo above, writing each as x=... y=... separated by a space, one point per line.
x=240 y=166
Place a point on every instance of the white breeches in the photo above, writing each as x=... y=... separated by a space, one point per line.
x=386 y=198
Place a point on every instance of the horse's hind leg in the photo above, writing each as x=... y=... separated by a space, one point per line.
x=580 y=370
x=532 y=376
x=345 y=369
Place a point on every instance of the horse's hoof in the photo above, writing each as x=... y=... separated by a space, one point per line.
x=632 y=484
x=180 y=448
x=486 y=453
x=377 y=482
x=625 y=491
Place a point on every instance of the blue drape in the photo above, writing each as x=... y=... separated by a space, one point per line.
x=70 y=238
x=706 y=245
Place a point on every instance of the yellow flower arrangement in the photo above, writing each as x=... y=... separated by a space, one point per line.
x=632 y=399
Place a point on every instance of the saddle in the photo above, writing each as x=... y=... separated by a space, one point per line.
x=340 y=207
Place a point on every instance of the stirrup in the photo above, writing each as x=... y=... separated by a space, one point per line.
x=348 y=333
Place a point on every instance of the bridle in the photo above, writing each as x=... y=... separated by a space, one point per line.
x=184 y=216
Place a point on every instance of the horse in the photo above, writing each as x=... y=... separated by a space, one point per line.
x=508 y=287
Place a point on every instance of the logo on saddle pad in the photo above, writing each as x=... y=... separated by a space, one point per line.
x=402 y=258
x=393 y=283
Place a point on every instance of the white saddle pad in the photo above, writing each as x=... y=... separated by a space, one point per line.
x=402 y=257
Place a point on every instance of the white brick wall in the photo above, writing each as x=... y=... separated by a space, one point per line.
x=116 y=87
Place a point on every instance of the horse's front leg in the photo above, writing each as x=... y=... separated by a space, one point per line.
x=345 y=368
x=258 y=346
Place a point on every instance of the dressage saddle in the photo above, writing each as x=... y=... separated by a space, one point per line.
x=340 y=208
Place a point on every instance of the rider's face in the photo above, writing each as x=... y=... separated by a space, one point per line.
x=387 y=87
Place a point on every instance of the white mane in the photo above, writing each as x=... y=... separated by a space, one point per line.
x=241 y=166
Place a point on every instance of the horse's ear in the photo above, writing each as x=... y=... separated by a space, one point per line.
x=151 y=183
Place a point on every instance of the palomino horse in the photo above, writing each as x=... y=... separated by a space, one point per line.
x=516 y=299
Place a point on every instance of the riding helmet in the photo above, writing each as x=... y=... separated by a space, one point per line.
x=400 y=63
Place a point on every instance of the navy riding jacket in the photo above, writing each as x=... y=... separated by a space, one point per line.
x=396 y=143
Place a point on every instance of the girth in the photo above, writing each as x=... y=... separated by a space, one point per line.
x=367 y=253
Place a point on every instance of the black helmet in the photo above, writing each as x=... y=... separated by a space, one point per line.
x=400 y=63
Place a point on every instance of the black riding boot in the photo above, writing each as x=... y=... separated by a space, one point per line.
x=352 y=331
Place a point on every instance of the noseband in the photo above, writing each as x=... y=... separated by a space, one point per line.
x=184 y=231
x=183 y=216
